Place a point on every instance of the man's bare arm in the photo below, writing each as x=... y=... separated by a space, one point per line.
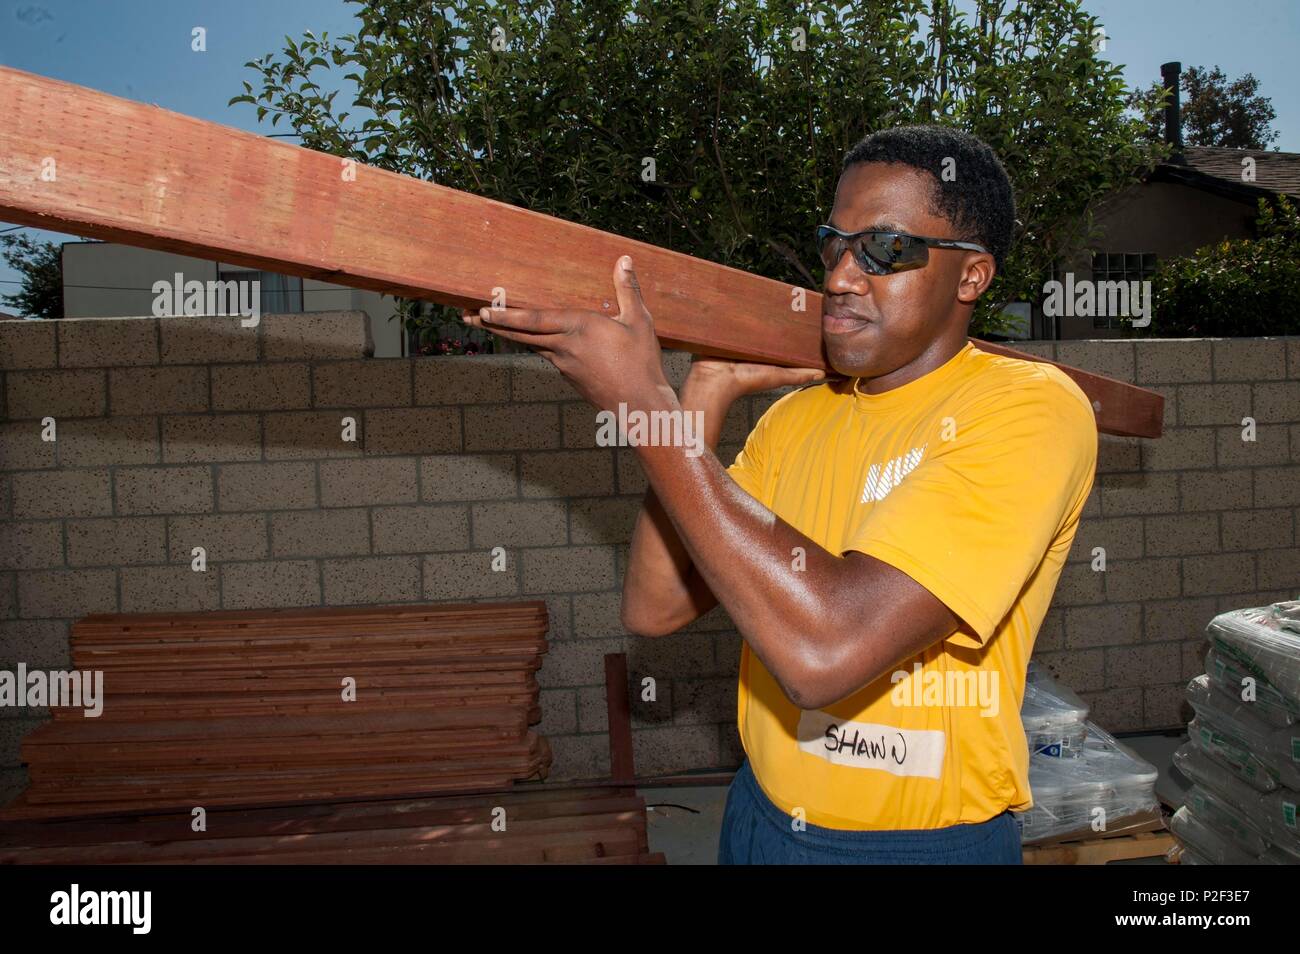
x=823 y=631
x=662 y=590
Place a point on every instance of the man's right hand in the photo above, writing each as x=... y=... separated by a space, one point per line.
x=731 y=380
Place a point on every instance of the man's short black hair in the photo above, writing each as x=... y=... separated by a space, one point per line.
x=976 y=196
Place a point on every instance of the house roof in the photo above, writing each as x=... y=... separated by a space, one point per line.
x=1217 y=169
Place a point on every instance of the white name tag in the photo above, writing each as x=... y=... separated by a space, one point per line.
x=870 y=746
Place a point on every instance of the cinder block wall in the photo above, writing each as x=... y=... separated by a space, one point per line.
x=183 y=432
x=1195 y=523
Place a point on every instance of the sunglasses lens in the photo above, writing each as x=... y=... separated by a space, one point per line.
x=894 y=252
x=831 y=247
x=876 y=253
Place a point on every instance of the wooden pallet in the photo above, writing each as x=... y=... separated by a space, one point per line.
x=1100 y=851
x=570 y=826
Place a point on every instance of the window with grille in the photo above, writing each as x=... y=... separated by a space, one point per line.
x=1120 y=267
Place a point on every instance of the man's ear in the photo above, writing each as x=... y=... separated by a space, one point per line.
x=976 y=275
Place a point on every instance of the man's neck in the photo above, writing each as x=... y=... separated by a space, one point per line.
x=936 y=355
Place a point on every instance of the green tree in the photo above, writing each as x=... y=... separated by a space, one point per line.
x=39 y=263
x=746 y=109
x=1216 y=112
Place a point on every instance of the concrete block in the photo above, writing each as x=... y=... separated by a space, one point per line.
x=420 y=529
x=348 y=483
x=154 y=490
x=267 y=486
x=224 y=537
x=567 y=474
x=161 y=390
x=316 y=533
x=117 y=541
x=209 y=438
x=468 y=477
x=269 y=584
x=373 y=580
x=57 y=394
x=107 y=342
x=424 y=430
x=170 y=589
x=300 y=435
x=61 y=493
x=261 y=387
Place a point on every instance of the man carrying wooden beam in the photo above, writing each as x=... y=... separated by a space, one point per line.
x=889 y=539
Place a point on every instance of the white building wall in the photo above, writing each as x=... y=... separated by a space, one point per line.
x=108 y=280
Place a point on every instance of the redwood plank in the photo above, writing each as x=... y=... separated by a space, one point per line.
x=1122 y=409
x=145 y=176
x=622 y=767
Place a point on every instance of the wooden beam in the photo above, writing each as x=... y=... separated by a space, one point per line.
x=1122 y=409
x=76 y=160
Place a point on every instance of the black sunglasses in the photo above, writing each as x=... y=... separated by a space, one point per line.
x=883 y=253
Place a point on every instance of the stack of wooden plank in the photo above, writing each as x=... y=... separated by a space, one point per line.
x=281 y=706
x=582 y=826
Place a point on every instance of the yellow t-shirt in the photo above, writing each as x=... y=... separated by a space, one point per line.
x=970 y=480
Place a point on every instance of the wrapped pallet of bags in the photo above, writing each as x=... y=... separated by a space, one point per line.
x=1229 y=732
x=1105 y=790
x=1270 y=704
x=1218 y=779
x=1228 y=821
x=1211 y=846
x=1053 y=716
x=1280 y=816
x=1263 y=642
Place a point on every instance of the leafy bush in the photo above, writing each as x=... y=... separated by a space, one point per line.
x=1237 y=288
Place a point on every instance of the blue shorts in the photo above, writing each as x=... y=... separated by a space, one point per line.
x=756 y=832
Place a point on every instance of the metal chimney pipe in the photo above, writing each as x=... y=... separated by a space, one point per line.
x=1169 y=79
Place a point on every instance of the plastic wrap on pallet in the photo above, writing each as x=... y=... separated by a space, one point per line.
x=1219 y=779
x=1230 y=731
x=1265 y=642
x=1276 y=748
x=1277 y=856
x=1069 y=792
x=1228 y=820
x=1284 y=750
x=1280 y=816
x=1269 y=703
x=1053 y=716
x=1231 y=751
x=1215 y=848
x=1270 y=816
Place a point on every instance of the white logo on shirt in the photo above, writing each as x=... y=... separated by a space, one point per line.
x=880 y=481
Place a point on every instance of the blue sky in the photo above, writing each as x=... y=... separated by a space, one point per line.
x=140 y=49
